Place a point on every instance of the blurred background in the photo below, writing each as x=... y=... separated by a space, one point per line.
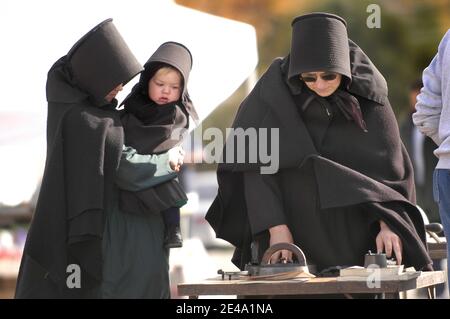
x=232 y=41
x=401 y=48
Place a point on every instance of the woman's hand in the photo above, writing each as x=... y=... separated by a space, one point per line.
x=387 y=240
x=280 y=234
x=176 y=157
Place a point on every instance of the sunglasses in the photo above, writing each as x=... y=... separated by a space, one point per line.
x=325 y=77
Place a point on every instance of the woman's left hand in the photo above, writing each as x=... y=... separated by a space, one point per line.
x=389 y=241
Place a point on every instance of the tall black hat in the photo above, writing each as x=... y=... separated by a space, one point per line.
x=319 y=43
x=175 y=54
x=101 y=60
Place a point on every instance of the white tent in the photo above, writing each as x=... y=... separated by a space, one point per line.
x=34 y=34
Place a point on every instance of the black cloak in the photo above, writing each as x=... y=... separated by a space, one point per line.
x=330 y=171
x=152 y=129
x=84 y=145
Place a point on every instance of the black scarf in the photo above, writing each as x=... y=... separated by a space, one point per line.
x=149 y=127
x=346 y=102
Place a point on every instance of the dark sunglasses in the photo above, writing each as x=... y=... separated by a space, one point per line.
x=325 y=77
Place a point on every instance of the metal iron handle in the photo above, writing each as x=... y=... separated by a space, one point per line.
x=284 y=246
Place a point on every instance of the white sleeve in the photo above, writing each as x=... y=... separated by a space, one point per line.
x=429 y=101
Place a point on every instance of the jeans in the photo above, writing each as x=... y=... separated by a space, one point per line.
x=441 y=193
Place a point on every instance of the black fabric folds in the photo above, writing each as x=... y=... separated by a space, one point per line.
x=84 y=145
x=346 y=169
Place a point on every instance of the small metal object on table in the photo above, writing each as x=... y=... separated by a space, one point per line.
x=312 y=286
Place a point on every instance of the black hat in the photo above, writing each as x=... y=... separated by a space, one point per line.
x=319 y=43
x=174 y=54
x=179 y=57
x=101 y=60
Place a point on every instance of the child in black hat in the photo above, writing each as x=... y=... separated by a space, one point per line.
x=155 y=119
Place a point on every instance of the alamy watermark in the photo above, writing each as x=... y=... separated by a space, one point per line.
x=241 y=146
x=374 y=278
x=74 y=278
x=374 y=19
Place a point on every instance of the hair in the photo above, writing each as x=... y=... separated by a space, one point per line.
x=166 y=69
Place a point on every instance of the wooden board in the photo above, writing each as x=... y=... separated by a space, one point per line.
x=300 y=286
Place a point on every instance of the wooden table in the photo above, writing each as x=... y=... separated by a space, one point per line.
x=314 y=286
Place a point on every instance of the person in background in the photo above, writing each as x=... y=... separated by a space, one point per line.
x=432 y=118
x=420 y=149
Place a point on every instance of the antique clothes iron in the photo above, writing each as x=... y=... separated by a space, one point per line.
x=267 y=271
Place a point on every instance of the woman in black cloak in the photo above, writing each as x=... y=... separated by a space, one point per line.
x=80 y=244
x=345 y=182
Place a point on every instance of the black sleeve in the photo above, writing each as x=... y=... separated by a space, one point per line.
x=384 y=211
x=264 y=201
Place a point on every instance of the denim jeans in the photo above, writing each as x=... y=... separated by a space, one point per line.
x=441 y=193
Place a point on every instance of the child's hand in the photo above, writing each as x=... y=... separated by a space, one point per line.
x=176 y=157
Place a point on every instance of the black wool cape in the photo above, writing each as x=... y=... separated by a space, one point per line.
x=84 y=145
x=351 y=169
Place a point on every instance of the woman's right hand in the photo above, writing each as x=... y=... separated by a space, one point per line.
x=176 y=157
x=389 y=242
x=280 y=234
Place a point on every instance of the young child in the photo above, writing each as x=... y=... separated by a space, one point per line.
x=155 y=117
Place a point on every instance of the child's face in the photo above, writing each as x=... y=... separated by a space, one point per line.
x=165 y=86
